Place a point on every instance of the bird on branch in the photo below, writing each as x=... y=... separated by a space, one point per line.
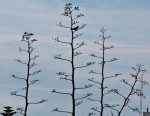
x=75 y=28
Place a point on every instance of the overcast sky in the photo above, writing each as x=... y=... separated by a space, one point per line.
x=127 y=21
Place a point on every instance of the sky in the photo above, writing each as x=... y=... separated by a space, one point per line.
x=127 y=21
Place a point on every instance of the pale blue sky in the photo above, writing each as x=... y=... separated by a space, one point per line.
x=127 y=22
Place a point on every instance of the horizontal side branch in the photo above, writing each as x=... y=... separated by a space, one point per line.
x=54 y=91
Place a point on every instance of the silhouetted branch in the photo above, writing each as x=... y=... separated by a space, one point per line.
x=87 y=64
x=111 y=60
x=35 y=72
x=54 y=91
x=62 y=74
x=113 y=76
x=134 y=109
x=32 y=65
x=91 y=113
x=103 y=30
x=42 y=101
x=33 y=81
x=60 y=25
x=59 y=57
x=78 y=103
x=110 y=47
x=17 y=77
x=79 y=45
x=81 y=26
x=65 y=78
x=96 y=56
x=77 y=35
x=18 y=60
x=78 y=16
x=94 y=100
x=98 y=43
x=85 y=87
x=20 y=50
x=133 y=90
x=35 y=57
x=85 y=96
x=75 y=22
x=92 y=71
x=111 y=106
x=20 y=109
x=57 y=110
x=77 y=53
x=96 y=109
x=19 y=95
x=92 y=80
x=57 y=40
x=126 y=82
x=109 y=91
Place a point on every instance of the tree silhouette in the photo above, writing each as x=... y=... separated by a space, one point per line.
x=26 y=38
x=136 y=77
x=104 y=90
x=69 y=11
x=8 y=111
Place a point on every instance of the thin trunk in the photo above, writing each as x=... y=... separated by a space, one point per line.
x=102 y=78
x=27 y=80
x=73 y=83
x=73 y=70
x=125 y=101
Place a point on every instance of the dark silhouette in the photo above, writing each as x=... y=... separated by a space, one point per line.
x=75 y=28
x=69 y=11
x=29 y=65
x=104 y=90
x=133 y=90
x=8 y=111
